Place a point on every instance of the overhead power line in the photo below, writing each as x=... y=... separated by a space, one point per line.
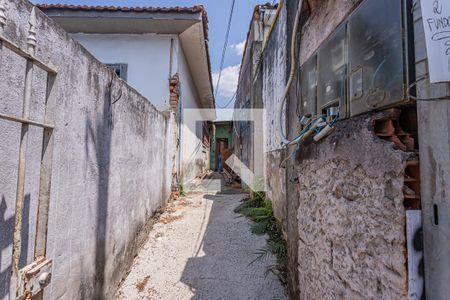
x=229 y=102
x=224 y=50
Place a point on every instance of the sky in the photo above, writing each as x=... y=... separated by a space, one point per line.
x=218 y=14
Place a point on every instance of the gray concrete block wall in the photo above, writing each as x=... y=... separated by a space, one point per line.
x=112 y=162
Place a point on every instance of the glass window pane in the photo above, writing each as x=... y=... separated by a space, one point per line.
x=332 y=61
x=308 y=88
x=375 y=55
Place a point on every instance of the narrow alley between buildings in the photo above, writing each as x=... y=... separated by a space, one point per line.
x=139 y=161
x=200 y=248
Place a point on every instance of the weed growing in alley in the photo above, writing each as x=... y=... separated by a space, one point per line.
x=259 y=209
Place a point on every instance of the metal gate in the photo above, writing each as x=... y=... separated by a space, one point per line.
x=30 y=281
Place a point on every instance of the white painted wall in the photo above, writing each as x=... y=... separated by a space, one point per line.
x=194 y=157
x=148 y=60
x=147 y=56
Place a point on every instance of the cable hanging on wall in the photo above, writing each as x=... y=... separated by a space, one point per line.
x=283 y=137
x=414 y=84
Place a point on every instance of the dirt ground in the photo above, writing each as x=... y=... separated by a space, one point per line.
x=201 y=249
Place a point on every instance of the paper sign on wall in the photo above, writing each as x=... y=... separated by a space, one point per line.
x=436 y=22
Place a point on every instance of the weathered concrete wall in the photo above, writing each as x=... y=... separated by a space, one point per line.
x=324 y=17
x=246 y=94
x=274 y=80
x=351 y=217
x=276 y=185
x=194 y=155
x=149 y=61
x=147 y=56
x=111 y=162
x=12 y=73
x=261 y=85
x=344 y=202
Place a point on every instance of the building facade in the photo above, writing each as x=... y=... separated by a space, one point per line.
x=152 y=49
x=352 y=199
x=87 y=160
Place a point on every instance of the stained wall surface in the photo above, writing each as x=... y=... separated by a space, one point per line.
x=147 y=57
x=112 y=162
x=344 y=194
x=350 y=216
x=340 y=201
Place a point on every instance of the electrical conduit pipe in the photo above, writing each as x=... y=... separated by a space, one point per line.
x=284 y=139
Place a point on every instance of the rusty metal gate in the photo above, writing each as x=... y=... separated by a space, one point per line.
x=30 y=281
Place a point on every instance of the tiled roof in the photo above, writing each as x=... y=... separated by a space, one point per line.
x=193 y=9
x=177 y=9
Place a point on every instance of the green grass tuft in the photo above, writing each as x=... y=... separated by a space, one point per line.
x=260 y=211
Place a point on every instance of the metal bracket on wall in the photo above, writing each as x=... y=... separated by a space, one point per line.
x=34 y=278
x=30 y=281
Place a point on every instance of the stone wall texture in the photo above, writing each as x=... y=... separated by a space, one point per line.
x=112 y=162
x=351 y=217
x=344 y=200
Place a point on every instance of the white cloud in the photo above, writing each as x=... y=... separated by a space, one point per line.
x=228 y=80
x=239 y=48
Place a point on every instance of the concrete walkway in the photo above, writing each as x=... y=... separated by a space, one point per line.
x=201 y=249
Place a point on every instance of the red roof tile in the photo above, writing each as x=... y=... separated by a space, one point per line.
x=193 y=9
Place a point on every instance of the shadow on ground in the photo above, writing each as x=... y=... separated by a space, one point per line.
x=220 y=267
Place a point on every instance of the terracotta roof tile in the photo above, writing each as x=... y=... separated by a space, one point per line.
x=193 y=9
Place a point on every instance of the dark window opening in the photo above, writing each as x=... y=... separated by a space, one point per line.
x=120 y=69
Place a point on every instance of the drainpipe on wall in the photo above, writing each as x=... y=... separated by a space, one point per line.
x=17 y=239
x=175 y=107
x=179 y=119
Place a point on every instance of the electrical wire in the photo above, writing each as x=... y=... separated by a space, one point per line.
x=283 y=137
x=335 y=120
x=277 y=14
x=229 y=102
x=304 y=131
x=375 y=74
x=309 y=131
x=423 y=99
x=225 y=46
